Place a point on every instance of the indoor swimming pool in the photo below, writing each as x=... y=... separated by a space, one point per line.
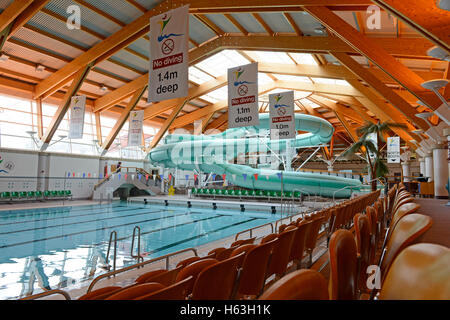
x=53 y=248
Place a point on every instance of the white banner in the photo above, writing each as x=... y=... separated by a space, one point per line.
x=76 y=124
x=169 y=61
x=393 y=150
x=282 y=117
x=135 y=127
x=243 y=96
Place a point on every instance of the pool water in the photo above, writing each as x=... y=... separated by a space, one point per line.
x=52 y=248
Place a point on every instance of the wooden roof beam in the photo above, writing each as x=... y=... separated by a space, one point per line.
x=376 y=53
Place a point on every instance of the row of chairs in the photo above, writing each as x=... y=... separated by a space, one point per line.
x=396 y=255
x=406 y=268
x=35 y=195
x=202 y=192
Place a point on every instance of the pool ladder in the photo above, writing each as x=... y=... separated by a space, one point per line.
x=138 y=256
x=112 y=239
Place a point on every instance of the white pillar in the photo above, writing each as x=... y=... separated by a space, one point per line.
x=405 y=170
x=440 y=166
x=422 y=166
x=429 y=167
x=447 y=133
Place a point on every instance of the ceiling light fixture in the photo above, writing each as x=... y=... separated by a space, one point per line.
x=443 y=4
x=103 y=88
x=40 y=68
x=438 y=53
x=4 y=57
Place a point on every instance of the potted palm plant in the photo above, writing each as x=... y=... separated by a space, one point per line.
x=377 y=168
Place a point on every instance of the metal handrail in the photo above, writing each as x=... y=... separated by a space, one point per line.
x=251 y=230
x=47 y=293
x=138 y=265
x=113 y=233
x=138 y=256
x=290 y=219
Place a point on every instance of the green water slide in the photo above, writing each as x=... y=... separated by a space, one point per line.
x=213 y=154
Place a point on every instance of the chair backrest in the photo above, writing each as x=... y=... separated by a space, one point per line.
x=313 y=233
x=343 y=266
x=185 y=262
x=165 y=278
x=176 y=291
x=298 y=285
x=194 y=269
x=148 y=275
x=419 y=272
x=269 y=237
x=101 y=293
x=242 y=242
x=136 y=291
x=281 y=252
x=407 y=231
x=216 y=251
x=298 y=244
x=244 y=248
x=364 y=246
x=404 y=210
x=224 y=254
x=217 y=281
x=402 y=202
x=254 y=268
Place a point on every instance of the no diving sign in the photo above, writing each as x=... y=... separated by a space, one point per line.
x=168 y=76
x=243 y=96
x=282 y=117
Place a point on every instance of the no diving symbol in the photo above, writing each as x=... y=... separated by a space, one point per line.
x=242 y=90
x=281 y=111
x=167 y=46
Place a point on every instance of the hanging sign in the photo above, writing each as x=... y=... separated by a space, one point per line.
x=243 y=108
x=393 y=150
x=76 y=122
x=135 y=128
x=169 y=61
x=374 y=138
x=282 y=119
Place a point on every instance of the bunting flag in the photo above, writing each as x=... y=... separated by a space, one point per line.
x=195 y=176
x=245 y=176
x=73 y=174
x=146 y=177
x=89 y=175
x=84 y=175
x=256 y=176
x=125 y=176
x=68 y=174
x=214 y=176
x=119 y=175
x=224 y=176
x=187 y=177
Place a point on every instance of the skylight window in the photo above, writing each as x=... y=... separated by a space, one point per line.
x=303 y=58
x=270 y=57
x=216 y=95
x=330 y=81
x=198 y=76
x=219 y=63
x=292 y=78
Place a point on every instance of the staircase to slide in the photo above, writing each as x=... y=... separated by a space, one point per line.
x=124 y=181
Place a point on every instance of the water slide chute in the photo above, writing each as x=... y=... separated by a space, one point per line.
x=213 y=153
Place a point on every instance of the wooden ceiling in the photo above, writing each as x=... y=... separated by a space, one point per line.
x=384 y=66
